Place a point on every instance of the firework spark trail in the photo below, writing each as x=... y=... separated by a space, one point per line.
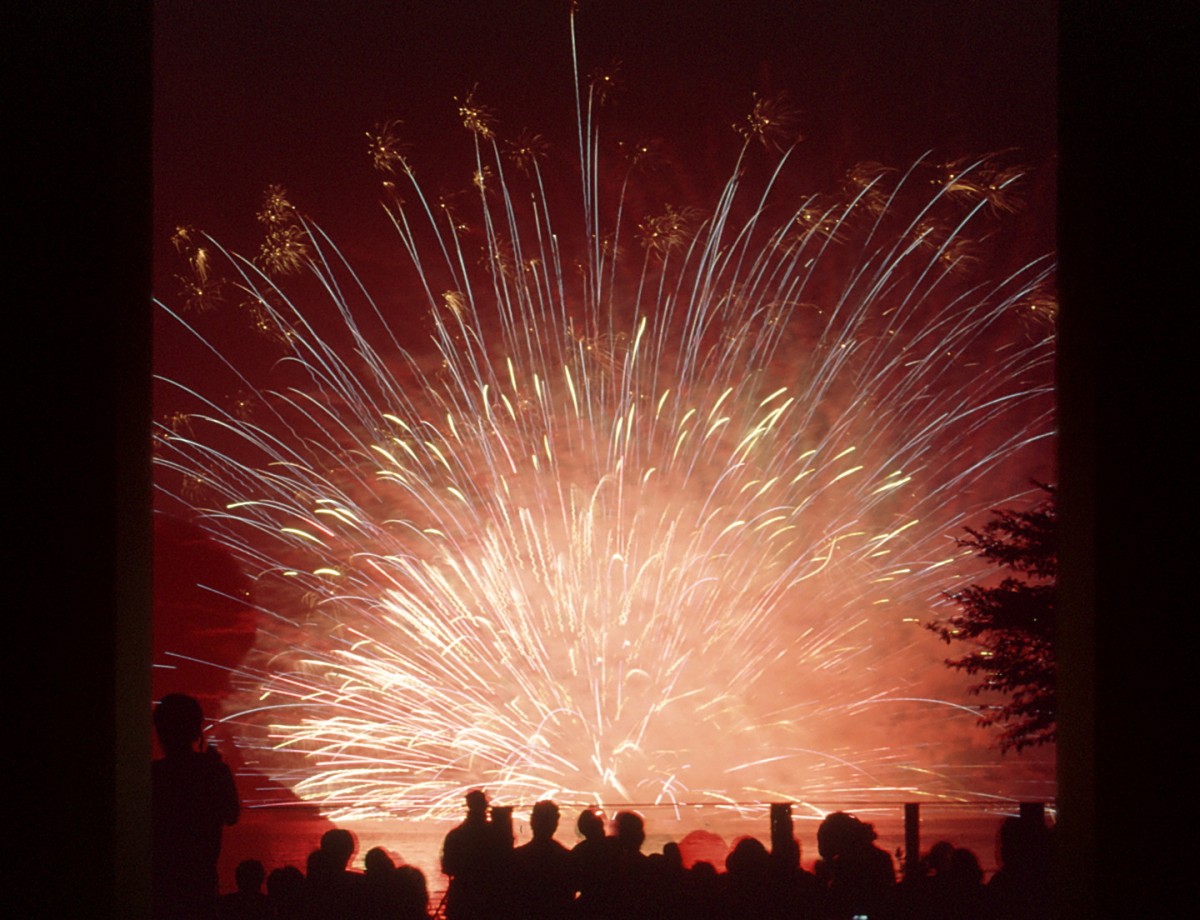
x=652 y=541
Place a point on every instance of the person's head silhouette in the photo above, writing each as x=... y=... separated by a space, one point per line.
x=477 y=805
x=543 y=819
x=178 y=722
x=338 y=845
x=630 y=830
x=590 y=824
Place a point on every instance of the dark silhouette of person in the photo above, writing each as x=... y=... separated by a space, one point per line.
x=667 y=882
x=249 y=902
x=633 y=873
x=749 y=882
x=193 y=798
x=334 y=890
x=593 y=866
x=858 y=876
x=703 y=892
x=924 y=887
x=947 y=885
x=413 y=894
x=798 y=891
x=1022 y=886
x=377 y=863
x=287 y=893
x=380 y=884
x=937 y=860
x=542 y=875
x=474 y=856
x=964 y=887
x=393 y=892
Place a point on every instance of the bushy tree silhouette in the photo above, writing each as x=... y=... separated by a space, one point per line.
x=1011 y=624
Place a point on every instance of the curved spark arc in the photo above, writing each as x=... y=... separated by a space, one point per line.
x=580 y=553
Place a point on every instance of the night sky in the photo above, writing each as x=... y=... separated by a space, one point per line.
x=253 y=93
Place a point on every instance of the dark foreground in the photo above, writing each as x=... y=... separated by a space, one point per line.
x=615 y=872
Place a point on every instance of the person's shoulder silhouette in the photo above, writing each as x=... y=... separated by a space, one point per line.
x=1022 y=888
x=192 y=798
x=542 y=868
x=249 y=902
x=474 y=856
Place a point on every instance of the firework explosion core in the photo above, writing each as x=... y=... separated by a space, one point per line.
x=658 y=516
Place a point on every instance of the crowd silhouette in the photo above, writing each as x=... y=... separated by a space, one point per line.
x=604 y=876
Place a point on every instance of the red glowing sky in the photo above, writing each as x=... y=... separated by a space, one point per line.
x=253 y=93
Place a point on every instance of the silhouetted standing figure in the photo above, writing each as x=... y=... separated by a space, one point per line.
x=964 y=887
x=749 y=891
x=334 y=890
x=703 y=892
x=414 y=893
x=1022 y=888
x=248 y=902
x=192 y=798
x=800 y=894
x=287 y=892
x=393 y=892
x=544 y=885
x=924 y=886
x=667 y=881
x=859 y=877
x=593 y=866
x=474 y=856
x=633 y=869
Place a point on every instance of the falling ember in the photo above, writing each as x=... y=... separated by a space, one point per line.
x=656 y=517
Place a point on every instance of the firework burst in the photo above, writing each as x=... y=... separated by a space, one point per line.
x=651 y=517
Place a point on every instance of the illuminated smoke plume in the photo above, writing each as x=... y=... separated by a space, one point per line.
x=651 y=510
